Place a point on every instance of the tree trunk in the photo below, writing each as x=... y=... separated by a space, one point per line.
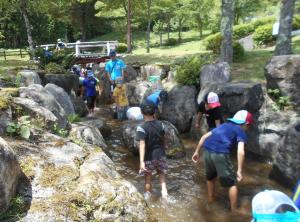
x=168 y=30
x=129 y=35
x=23 y=9
x=283 y=43
x=149 y=24
x=226 y=30
x=179 y=31
x=160 y=39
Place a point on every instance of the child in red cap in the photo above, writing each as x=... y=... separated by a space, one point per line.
x=218 y=144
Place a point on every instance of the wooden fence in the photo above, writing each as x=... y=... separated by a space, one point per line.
x=13 y=52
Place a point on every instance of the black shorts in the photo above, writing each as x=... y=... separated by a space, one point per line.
x=91 y=102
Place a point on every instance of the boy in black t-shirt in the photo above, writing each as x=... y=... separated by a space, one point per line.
x=151 y=146
x=210 y=108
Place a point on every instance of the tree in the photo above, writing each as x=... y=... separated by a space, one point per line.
x=226 y=30
x=129 y=34
x=182 y=13
x=283 y=43
x=244 y=8
x=149 y=4
x=23 y=8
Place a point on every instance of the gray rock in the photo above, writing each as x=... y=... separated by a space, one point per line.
x=130 y=73
x=41 y=96
x=100 y=124
x=214 y=73
x=137 y=91
x=283 y=72
x=286 y=167
x=106 y=95
x=180 y=107
x=79 y=106
x=155 y=70
x=9 y=174
x=5 y=119
x=87 y=134
x=29 y=77
x=61 y=97
x=247 y=42
x=174 y=146
x=65 y=81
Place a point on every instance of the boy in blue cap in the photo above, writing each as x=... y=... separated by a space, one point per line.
x=218 y=144
x=89 y=85
x=114 y=69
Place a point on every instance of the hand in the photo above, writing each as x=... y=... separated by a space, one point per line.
x=195 y=157
x=239 y=176
x=197 y=125
x=142 y=167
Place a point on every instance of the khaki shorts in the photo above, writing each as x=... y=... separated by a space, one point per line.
x=219 y=164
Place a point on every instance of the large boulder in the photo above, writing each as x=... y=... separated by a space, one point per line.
x=283 y=72
x=28 y=77
x=88 y=134
x=180 y=107
x=5 y=119
x=235 y=96
x=174 y=146
x=68 y=82
x=215 y=73
x=79 y=106
x=100 y=124
x=10 y=172
x=130 y=73
x=62 y=98
x=286 y=167
x=155 y=70
x=137 y=91
x=41 y=96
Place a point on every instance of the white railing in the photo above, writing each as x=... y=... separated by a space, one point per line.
x=106 y=46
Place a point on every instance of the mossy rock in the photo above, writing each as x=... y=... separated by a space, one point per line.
x=175 y=152
x=6 y=95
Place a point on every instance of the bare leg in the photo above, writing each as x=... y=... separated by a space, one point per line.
x=233 y=194
x=148 y=187
x=162 y=179
x=211 y=189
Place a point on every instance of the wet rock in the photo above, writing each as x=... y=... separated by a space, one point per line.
x=174 y=146
x=180 y=107
x=106 y=95
x=235 y=96
x=9 y=174
x=41 y=96
x=100 y=124
x=65 y=81
x=88 y=134
x=283 y=72
x=61 y=97
x=5 y=119
x=28 y=77
x=286 y=167
x=137 y=91
x=214 y=73
x=79 y=106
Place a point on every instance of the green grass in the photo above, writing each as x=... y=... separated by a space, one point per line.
x=13 y=63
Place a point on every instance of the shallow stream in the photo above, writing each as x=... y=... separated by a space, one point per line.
x=186 y=183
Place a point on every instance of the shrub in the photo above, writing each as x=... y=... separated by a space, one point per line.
x=296 y=22
x=170 y=42
x=54 y=68
x=213 y=42
x=241 y=31
x=21 y=127
x=263 y=21
x=280 y=101
x=188 y=72
x=263 y=35
x=238 y=51
x=122 y=48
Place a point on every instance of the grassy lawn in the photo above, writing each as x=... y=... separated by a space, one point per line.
x=13 y=63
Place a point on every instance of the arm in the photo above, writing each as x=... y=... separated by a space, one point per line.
x=195 y=157
x=142 y=154
x=240 y=159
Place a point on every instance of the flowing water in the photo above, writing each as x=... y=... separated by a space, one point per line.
x=186 y=183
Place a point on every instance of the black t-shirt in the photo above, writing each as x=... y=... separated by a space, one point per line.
x=211 y=115
x=153 y=134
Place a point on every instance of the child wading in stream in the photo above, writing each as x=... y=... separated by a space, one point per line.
x=218 y=144
x=151 y=147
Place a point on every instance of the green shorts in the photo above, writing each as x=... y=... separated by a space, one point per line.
x=219 y=164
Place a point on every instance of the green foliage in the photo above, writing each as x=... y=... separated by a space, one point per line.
x=16 y=210
x=241 y=31
x=188 y=72
x=20 y=128
x=171 y=42
x=263 y=21
x=54 y=68
x=122 y=48
x=59 y=131
x=73 y=118
x=296 y=22
x=238 y=51
x=213 y=42
x=263 y=35
x=280 y=101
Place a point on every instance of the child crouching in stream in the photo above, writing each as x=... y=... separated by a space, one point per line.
x=151 y=147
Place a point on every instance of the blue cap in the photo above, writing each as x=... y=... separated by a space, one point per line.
x=112 y=53
x=90 y=73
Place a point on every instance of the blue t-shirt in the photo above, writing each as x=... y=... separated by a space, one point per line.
x=224 y=138
x=154 y=98
x=90 y=86
x=114 y=68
